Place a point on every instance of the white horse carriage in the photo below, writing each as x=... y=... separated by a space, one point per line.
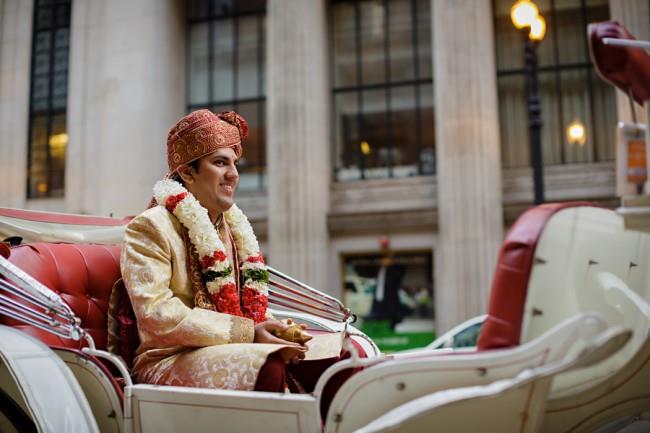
x=565 y=346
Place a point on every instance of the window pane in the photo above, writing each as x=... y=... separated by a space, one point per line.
x=513 y=119
x=597 y=10
x=248 y=6
x=262 y=64
x=60 y=91
x=427 y=131
x=575 y=107
x=423 y=17
x=546 y=48
x=605 y=118
x=197 y=9
x=43 y=41
x=223 y=107
x=344 y=45
x=38 y=185
x=552 y=136
x=374 y=132
x=40 y=93
x=198 y=64
x=44 y=18
x=252 y=163
x=346 y=135
x=509 y=42
x=403 y=132
x=571 y=32
x=42 y=63
x=61 y=60
x=62 y=38
x=222 y=63
x=58 y=142
x=373 y=35
x=222 y=8
x=62 y=18
x=247 y=57
x=401 y=41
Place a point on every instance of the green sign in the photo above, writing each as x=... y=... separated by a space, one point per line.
x=389 y=340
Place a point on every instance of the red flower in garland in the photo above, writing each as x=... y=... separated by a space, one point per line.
x=227 y=300
x=173 y=200
x=254 y=304
x=255 y=259
x=217 y=256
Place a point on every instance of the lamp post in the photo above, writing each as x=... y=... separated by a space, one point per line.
x=525 y=16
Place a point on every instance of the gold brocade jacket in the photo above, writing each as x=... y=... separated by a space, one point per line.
x=180 y=344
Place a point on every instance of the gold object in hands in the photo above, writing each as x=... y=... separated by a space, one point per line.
x=293 y=333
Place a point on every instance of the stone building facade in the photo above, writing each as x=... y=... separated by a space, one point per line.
x=130 y=76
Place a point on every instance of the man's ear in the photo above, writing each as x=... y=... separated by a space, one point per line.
x=186 y=172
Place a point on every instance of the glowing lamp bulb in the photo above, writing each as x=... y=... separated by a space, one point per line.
x=537 y=29
x=365 y=148
x=576 y=133
x=523 y=13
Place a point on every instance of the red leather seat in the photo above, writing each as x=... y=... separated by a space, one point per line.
x=83 y=275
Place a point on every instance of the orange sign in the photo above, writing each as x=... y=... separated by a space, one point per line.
x=637 y=171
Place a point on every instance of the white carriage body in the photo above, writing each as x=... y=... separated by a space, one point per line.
x=588 y=297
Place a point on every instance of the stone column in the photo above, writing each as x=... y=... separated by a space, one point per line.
x=15 y=63
x=470 y=214
x=635 y=16
x=127 y=87
x=298 y=138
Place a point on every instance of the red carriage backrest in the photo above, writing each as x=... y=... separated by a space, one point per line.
x=83 y=275
x=502 y=328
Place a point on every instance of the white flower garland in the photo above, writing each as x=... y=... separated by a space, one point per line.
x=212 y=253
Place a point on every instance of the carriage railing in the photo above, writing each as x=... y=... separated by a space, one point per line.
x=44 y=309
x=288 y=293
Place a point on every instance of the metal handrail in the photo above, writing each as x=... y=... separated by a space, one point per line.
x=306 y=299
x=629 y=43
x=42 y=308
x=294 y=307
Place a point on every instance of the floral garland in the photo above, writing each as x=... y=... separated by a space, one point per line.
x=216 y=269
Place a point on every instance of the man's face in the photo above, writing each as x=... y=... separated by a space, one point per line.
x=215 y=182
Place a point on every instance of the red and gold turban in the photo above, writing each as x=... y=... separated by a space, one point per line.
x=202 y=132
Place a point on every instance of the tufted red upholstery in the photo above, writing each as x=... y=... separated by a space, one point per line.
x=502 y=328
x=82 y=275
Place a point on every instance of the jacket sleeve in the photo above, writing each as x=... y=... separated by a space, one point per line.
x=163 y=319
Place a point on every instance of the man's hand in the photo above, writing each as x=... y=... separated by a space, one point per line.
x=292 y=354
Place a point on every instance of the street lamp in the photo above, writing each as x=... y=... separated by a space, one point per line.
x=525 y=17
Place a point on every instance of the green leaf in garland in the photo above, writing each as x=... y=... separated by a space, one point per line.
x=211 y=275
x=257 y=275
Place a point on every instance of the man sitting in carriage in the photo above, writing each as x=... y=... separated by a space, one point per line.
x=195 y=274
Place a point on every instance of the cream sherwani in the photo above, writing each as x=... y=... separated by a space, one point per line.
x=180 y=344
